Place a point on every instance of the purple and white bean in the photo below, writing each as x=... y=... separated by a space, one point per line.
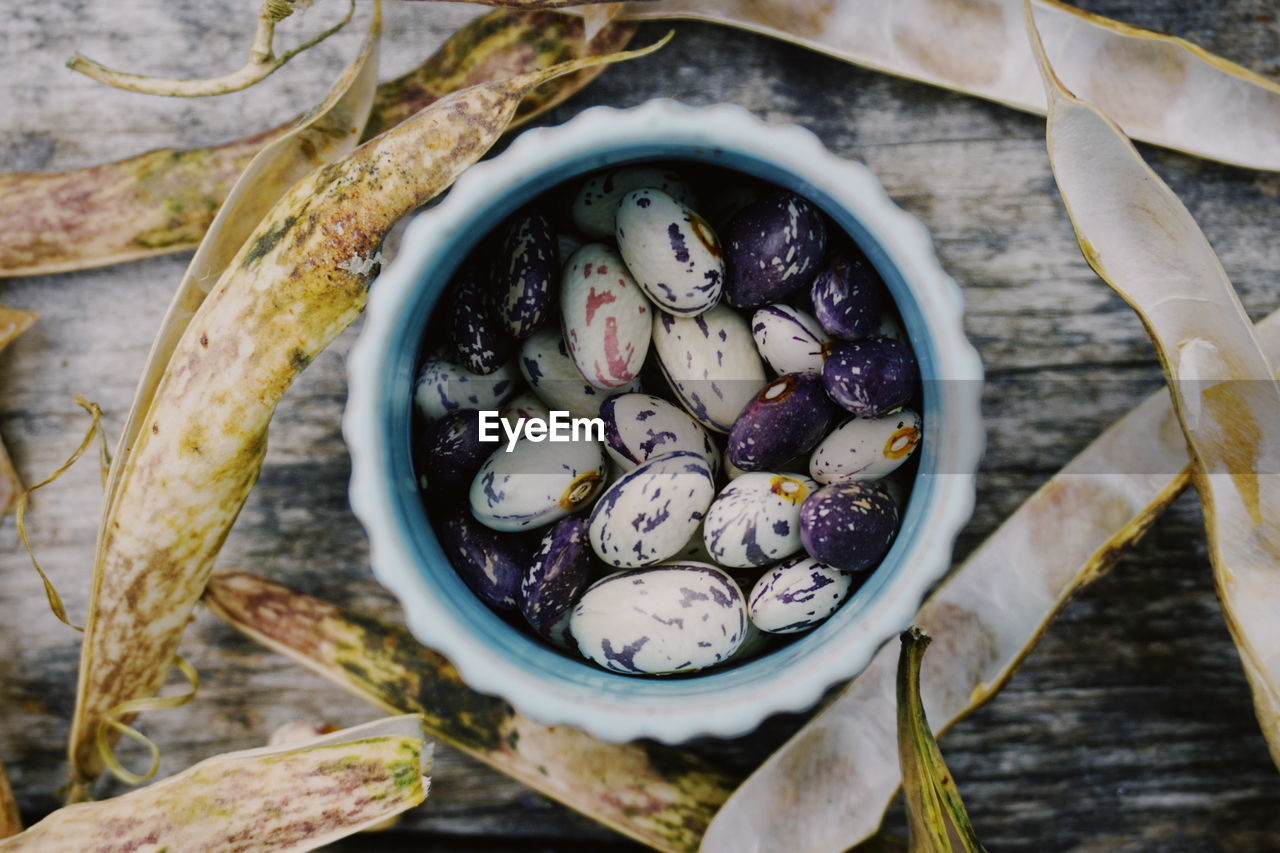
x=797 y=595
x=870 y=377
x=790 y=340
x=638 y=427
x=711 y=363
x=755 y=520
x=545 y=364
x=478 y=341
x=491 y=563
x=848 y=298
x=671 y=251
x=443 y=387
x=849 y=525
x=650 y=513
x=536 y=482
x=561 y=569
x=525 y=273
x=866 y=448
x=596 y=205
x=787 y=418
x=450 y=454
x=677 y=617
x=773 y=247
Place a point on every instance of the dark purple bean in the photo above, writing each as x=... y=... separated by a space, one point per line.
x=787 y=418
x=450 y=453
x=848 y=525
x=525 y=271
x=479 y=342
x=772 y=247
x=848 y=298
x=870 y=377
x=492 y=564
x=562 y=568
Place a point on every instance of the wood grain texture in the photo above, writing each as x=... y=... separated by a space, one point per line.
x=1128 y=729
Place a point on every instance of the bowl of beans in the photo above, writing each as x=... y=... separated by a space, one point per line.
x=663 y=421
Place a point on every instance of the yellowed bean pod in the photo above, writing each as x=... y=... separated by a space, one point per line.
x=1142 y=241
x=10 y=820
x=299 y=280
x=163 y=201
x=12 y=323
x=1160 y=89
x=278 y=799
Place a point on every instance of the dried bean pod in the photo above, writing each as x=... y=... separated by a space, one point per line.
x=297 y=282
x=656 y=794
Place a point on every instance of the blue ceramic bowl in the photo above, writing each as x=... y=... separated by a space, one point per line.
x=492 y=656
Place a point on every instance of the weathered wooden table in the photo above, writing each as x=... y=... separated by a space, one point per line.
x=1129 y=727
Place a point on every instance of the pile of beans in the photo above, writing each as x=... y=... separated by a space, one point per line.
x=757 y=395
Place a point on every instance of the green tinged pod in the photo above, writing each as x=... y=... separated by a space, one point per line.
x=276 y=799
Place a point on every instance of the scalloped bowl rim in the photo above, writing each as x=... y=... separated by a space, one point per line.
x=675 y=710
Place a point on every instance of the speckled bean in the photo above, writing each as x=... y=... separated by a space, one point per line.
x=677 y=617
x=650 y=513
